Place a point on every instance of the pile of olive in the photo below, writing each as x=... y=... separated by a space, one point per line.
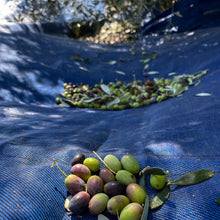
x=114 y=96
x=113 y=189
x=119 y=95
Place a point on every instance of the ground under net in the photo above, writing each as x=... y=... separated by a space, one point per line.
x=180 y=134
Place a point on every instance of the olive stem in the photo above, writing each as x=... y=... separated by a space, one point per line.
x=118 y=217
x=55 y=163
x=169 y=177
x=104 y=162
x=134 y=77
x=142 y=171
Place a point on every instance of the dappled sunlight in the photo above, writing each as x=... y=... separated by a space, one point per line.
x=11 y=55
x=165 y=148
x=44 y=87
x=7 y=9
x=7 y=95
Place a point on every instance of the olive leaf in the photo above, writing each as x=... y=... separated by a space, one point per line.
x=194 y=177
x=203 y=94
x=152 y=170
x=124 y=98
x=14 y=116
x=218 y=200
x=112 y=62
x=160 y=198
x=211 y=11
x=120 y=72
x=144 y=215
x=67 y=202
x=149 y=58
x=145 y=60
x=142 y=182
x=102 y=217
x=146 y=66
x=178 y=14
x=79 y=58
x=114 y=102
x=153 y=72
x=105 y=89
x=66 y=101
x=199 y=74
x=196 y=84
x=76 y=57
x=172 y=73
x=83 y=68
x=91 y=100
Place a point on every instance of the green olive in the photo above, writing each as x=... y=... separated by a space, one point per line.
x=158 y=181
x=92 y=163
x=58 y=100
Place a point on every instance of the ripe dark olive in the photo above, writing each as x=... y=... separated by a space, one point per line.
x=94 y=185
x=114 y=188
x=74 y=184
x=81 y=171
x=79 y=158
x=106 y=175
x=79 y=203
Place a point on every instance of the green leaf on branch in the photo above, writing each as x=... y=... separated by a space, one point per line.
x=160 y=198
x=146 y=209
x=194 y=177
x=142 y=183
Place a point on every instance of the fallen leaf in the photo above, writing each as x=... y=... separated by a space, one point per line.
x=120 y=72
x=112 y=62
x=203 y=94
x=153 y=72
x=83 y=68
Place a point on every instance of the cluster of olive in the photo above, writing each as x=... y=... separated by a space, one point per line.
x=113 y=189
x=116 y=95
x=119 y=95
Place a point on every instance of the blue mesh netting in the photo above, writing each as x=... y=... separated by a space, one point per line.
x=180 y=134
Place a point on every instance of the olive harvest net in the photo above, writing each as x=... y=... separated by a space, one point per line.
x=179 y=134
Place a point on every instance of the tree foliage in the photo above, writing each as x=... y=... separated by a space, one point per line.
x=126 y=15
